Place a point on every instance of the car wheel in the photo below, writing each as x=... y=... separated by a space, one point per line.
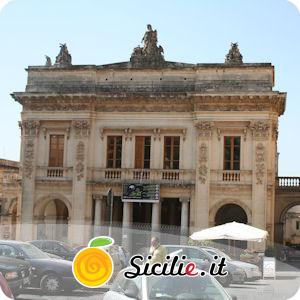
x=225 y=280
x=51 y=284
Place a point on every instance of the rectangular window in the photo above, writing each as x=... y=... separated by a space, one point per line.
x=114 y=152
x=297 y=225
x=171 y=152
x=56 y=153
x=232 y=147
x=142 y=152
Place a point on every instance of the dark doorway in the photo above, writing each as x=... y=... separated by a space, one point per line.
x=142 y=213
x=231 y=213
x=171 y=212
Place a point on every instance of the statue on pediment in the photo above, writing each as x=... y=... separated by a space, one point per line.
x=234 y=56
x=151 y=54
x=63 y=58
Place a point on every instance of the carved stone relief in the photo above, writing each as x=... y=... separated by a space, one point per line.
x=30 y=127
x=260 y=129
x=205 y=128
x=80 y=149
x=81 y=128
x=203 y=158
x=28 y=158
x=260 y=163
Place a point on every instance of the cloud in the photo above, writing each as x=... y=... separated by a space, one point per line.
x=3 y=3
x=296 y=3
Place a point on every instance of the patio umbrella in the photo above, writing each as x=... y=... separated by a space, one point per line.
x=231 y=231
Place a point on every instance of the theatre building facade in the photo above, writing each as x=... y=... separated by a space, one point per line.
x=180 y=146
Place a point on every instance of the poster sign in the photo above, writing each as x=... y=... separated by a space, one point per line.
x=269 y=267
x=139 y=192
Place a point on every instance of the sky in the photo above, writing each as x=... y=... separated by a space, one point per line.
x=191 y=31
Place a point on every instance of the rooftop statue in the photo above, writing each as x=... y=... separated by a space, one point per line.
x=48 y=61
x=234 y=56
x=151 y=54
x=63 y=58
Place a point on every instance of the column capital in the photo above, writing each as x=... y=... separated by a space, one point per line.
x=97 y=197
x=184 y=199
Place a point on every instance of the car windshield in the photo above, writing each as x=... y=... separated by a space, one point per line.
x=223 y=254
x=66 y=246
x=32 y=252
x=185 y=288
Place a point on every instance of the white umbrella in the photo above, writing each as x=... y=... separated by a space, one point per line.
x=231 y=231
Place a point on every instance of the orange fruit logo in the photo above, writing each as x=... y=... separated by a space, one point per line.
x=92 y=266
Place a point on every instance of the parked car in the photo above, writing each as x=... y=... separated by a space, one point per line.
x=58 y=248
x=291 y=252
x=49 y=274
x=204 y=260
x=166 y=287
x=16 y=272
x=252 y=271
x=5 y=292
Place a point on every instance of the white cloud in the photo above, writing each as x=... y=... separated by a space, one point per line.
x=296 y=3
x=3 y=3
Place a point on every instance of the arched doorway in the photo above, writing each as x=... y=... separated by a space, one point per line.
x=291 y=226
x=230 y=213
x=54 y=221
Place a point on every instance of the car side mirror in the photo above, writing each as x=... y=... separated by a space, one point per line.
x=132 y=291
x=233 y=297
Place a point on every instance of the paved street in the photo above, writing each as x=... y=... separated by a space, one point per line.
x=285 y=286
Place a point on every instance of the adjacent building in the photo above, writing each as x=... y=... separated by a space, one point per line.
x=9 y=198
x=202 y=138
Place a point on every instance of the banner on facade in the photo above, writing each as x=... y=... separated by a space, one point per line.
x=139 y=192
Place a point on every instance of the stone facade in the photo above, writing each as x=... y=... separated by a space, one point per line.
x=200 y=103
x=9 y=198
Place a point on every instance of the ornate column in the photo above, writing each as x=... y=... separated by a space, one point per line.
x=80 y=132
x=155 y=221
x=128 y=150
x=184 y=228
x=201 y=205
x=126 y=230
x=29 y=134
x=260 y=136
x=98 y=213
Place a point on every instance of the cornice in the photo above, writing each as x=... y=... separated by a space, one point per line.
x=189 y=102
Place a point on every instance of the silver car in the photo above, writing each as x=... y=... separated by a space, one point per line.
x=166 y=288
x=252 y=271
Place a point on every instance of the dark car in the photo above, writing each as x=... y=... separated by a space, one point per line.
x=58 y=248
x=49 y=274
x=16 y=272
x=203 y=261
x=291 y=252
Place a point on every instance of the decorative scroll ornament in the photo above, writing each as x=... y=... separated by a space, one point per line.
x=234 y=56
x=260 y=163
x=82 y=128
x=203 y=158
x=150 y=55
x=260 y=129
x=80 y=149
x=64 y=58
x=205 y=128
x=28 y=158
x=30 y=127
